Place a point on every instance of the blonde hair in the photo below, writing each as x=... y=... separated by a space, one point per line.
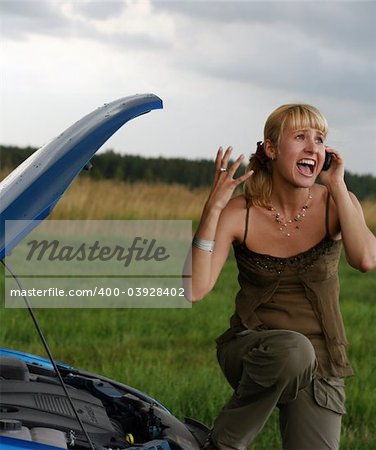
x=258 y=188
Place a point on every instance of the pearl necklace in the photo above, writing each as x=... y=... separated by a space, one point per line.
x=295 y=221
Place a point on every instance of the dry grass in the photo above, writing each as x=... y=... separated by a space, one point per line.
x=106 y=199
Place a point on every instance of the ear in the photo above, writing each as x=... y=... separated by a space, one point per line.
x=270 y=149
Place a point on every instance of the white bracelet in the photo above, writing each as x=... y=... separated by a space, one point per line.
x=202 y=244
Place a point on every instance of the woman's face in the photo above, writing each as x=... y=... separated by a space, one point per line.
x=300 y=156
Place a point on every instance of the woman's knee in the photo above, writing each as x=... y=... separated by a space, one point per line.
x=282 y=356
x=300 y=356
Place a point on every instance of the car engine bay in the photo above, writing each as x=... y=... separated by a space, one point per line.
x=115 y=416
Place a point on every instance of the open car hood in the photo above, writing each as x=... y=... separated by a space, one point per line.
x=31 y=191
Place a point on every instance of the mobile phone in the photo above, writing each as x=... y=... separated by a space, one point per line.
x=328 y=160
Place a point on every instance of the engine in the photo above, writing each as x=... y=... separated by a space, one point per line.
x=115 y=416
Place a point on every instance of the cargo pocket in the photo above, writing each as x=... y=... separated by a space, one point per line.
x=330 y=394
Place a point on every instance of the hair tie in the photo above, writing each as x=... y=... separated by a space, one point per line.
x=260 y=153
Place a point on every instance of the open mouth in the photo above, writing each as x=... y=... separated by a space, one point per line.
x=306 y=166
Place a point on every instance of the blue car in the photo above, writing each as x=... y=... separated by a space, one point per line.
x=47 y=405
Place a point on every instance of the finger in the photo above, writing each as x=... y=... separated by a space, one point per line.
x=218 y=159
x=244 y=177
x=332 y=150
x=236 y=165
x=335 y=154
x=338 y=158
x=226 y=157
x=218 y=162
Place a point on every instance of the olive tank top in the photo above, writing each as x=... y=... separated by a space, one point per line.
x=298 y=293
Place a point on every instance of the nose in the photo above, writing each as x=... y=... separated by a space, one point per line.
x=311 y=145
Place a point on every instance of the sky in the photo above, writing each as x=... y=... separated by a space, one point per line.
x=220 y=67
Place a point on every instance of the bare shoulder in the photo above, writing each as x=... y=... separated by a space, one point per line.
x=233 y=216
x=319 y=191
x=331 y=213
x=237 y=205
x=237 y=202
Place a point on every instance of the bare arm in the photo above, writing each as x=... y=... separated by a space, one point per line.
x=215 y=225
x=359 y=242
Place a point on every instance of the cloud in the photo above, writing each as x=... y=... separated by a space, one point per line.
x=120 y=24
x=220 y=67
x=20 y=18
x=339 y=22
x=298 y=48
x=99 y=10
x=342 y=24
x=304 y=47
x=301 y=68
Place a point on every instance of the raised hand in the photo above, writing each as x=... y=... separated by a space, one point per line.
x=335 y=174
x=224 y=182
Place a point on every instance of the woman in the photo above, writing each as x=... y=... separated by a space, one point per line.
x=286 y=343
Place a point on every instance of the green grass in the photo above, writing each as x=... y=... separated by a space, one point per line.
x=170 y=354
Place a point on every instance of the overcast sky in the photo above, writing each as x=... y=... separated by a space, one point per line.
x=220 y=67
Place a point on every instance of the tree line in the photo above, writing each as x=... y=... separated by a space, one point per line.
x=191 y=173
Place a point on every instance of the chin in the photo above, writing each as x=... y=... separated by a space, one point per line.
x=304 y=180
x=307 y=183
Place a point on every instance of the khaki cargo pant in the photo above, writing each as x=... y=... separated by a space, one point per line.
x=277 y=368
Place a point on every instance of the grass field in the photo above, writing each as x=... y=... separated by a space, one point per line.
x=170 y=354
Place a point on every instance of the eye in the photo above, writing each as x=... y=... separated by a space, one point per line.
x=299 y=136
x=319 y=140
